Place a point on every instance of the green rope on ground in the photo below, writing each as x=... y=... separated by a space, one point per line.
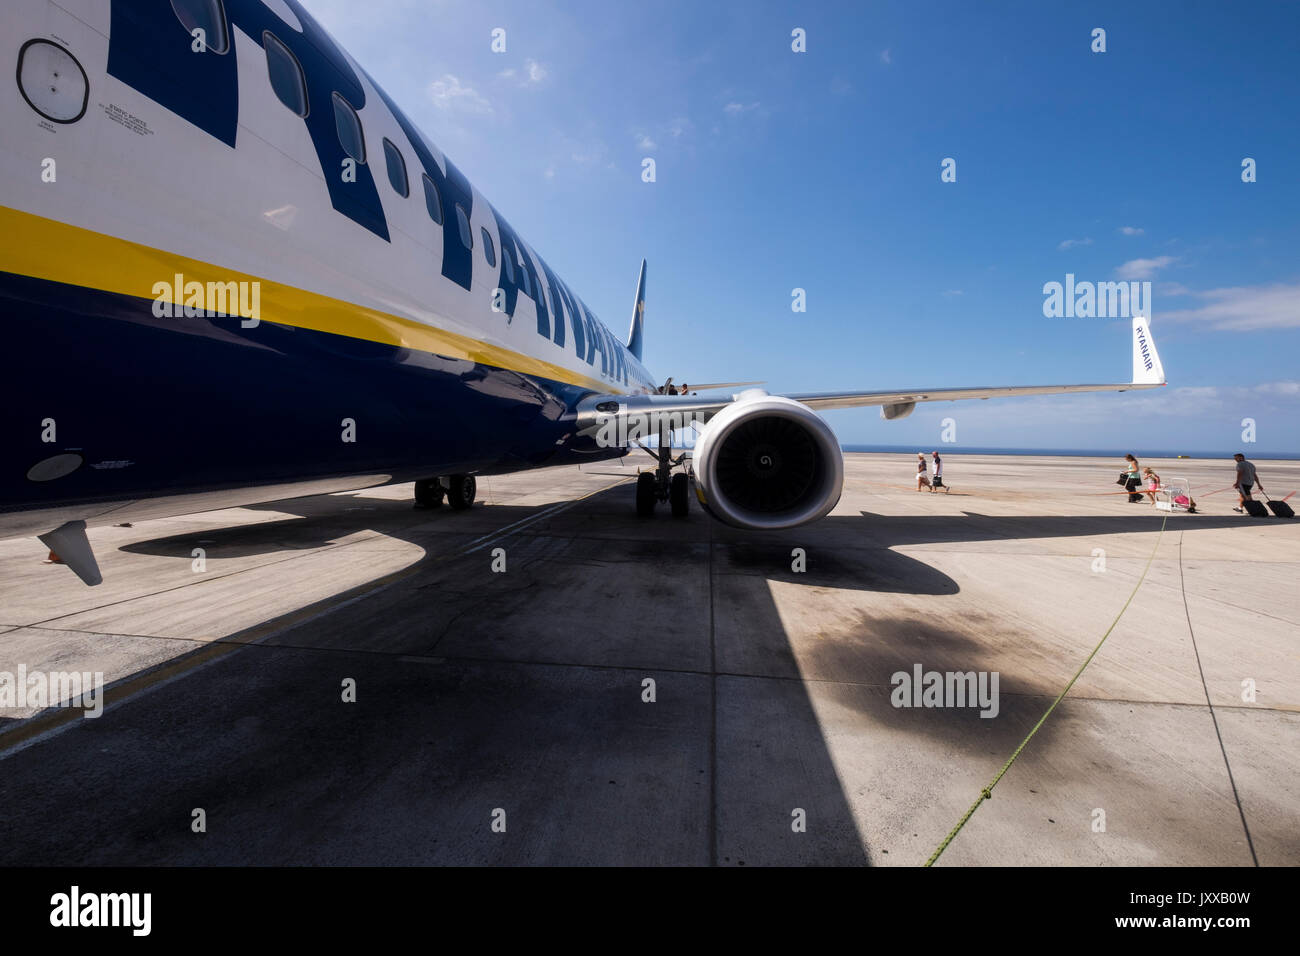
x=987 y=792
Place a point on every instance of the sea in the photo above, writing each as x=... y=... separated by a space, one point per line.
x=952 y=449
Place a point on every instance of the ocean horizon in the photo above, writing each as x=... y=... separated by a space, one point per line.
x=1068 y=452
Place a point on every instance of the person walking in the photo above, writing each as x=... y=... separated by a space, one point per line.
x=1153 y=483
x=1131 y=480
x=1245 y=480
x=921 y=479
x=938 y=474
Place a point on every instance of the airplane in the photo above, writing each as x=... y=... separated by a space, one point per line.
x=233 y=271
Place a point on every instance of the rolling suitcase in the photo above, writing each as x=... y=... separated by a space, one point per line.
x=1280 y=508
x=1255 y=508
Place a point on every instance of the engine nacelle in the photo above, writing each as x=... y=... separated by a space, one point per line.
x=897 y=410
x=767 y=462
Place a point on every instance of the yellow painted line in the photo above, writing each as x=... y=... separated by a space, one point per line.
x=56 y=718
x=42 y=248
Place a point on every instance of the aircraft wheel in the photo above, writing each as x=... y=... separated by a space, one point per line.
x=679 y=495
x=428 y=493
x=461 y=493
x=645 y=494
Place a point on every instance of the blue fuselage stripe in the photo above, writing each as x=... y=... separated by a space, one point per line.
x=169 y=405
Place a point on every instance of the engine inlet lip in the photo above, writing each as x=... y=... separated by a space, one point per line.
x=824 y=486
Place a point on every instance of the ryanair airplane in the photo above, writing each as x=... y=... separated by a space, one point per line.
x=232 y=270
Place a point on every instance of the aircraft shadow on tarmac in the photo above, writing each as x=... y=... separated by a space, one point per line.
x=495 y=696
x=837 y=562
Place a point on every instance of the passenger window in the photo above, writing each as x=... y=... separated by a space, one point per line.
x=489 y=250
x=466 y=237
x=286 y=75
x=349 y=129
x=510 y=266
x=432 y=200
x=523 y=274
x=205 y=15
x=396 y=168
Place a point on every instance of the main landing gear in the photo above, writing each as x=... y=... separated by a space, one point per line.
x=458 y=490
x=661 y=484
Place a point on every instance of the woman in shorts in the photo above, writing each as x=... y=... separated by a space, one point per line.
x=1153 y=483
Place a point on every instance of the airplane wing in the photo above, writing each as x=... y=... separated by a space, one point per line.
x=649 y=411
x=711 y=386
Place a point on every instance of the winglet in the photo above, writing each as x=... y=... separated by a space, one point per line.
x=70 y=543
x=1147 y=369
x=638 y=317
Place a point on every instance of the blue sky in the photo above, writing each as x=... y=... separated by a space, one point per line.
x=778 y=170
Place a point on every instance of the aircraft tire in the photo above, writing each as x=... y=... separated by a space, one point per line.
x=461 y=493
x=428 y=493
x=679 y=495
x=645 y=494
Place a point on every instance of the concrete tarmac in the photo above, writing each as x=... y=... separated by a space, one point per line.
x=515 y=699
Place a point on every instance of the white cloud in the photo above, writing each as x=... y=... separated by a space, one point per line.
x=1068 y=243
x=1144 y=268
x=586 y=152
x=678 y=127
x=507 y=74
x=450 y=94
x=1204 y=402
x=1131 y=230
x=952 y=292
x=735 y=109
x=534 y=73
x=1243 y=308
x=645 y=142
x=885 y=58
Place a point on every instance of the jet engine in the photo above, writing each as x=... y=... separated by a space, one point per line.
x=767 y=462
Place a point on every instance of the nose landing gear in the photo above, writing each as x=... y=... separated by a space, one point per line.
x=661 y=484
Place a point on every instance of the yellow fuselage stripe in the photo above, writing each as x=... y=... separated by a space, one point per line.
x=45 y=249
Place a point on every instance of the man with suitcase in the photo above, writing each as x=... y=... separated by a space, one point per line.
x=1246 y=479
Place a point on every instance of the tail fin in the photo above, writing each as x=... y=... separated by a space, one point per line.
x=638 y=317
x=1147 y=369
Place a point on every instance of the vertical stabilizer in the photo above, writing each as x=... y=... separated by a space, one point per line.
x=638 y=316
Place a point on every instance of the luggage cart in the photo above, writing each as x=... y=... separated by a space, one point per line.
x=1175 y=496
